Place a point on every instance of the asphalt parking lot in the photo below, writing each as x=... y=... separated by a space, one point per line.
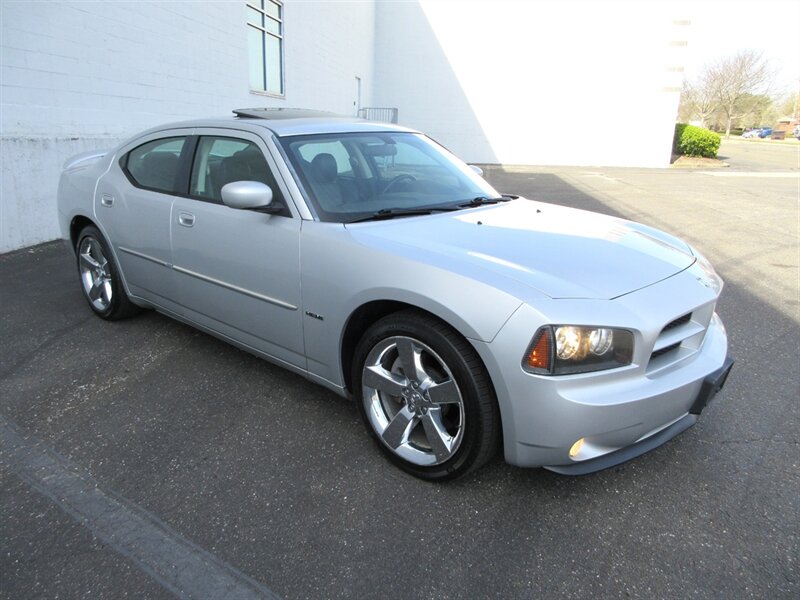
x=143 y=459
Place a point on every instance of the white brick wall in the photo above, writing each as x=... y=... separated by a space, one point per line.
x=81 y=75
x=515 y=82
x=110 y=68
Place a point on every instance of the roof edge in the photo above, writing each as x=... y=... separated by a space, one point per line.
x=269 y=113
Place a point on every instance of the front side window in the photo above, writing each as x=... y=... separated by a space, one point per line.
x=265 y=45
x=154 y=165
x=222 y=160
x=350 y=175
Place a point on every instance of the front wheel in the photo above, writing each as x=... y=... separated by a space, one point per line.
x=425 y=396
x=100 y=280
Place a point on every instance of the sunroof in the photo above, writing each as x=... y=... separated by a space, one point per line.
x=282 y=113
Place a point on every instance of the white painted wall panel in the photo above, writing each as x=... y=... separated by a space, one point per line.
x=30 y=166
x=546 y=83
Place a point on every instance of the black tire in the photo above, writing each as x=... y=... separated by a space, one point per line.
x=113 y=303
x=474 y=427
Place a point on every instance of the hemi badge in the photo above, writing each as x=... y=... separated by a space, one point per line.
x=314 y=315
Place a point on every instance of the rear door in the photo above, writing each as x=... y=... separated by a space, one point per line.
x=133 y=205
x=238 y=271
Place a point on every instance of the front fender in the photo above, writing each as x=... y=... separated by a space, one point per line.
x=340 y=275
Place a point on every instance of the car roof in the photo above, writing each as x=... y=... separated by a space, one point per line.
x=284 y=122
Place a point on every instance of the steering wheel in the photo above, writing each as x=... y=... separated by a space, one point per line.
x=398 y=179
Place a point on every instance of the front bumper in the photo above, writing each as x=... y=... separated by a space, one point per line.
x=619 y=413
x=711 y=385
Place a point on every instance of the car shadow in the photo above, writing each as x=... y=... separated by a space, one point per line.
x=534 y=184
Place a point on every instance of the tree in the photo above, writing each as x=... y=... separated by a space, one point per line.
x=756 y=110
x=732 y=90
x=734 y=81
x=696 y=101
x=789 y=105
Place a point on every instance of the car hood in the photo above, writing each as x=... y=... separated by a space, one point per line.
x=561 y=252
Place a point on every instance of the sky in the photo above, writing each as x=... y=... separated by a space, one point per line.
x=721 y=28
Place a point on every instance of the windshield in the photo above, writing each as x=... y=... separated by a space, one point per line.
x=352 y=175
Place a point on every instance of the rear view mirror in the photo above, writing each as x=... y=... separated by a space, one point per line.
x=247 y=194
x=380 y=150
x=477 y=169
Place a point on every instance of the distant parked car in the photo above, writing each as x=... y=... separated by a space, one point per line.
x=766 y=132
x=751 y=133
x=796 y=132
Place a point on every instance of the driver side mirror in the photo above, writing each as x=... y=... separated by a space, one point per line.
x=252 y=195
x=477 y=169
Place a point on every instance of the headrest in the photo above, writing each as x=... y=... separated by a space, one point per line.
x=323 y=168
x=250 y=154
x=160 y=161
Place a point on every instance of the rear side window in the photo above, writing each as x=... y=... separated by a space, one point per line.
x=222 y=160
x=154 y=165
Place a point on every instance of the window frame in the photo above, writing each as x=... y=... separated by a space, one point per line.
x=258 y=6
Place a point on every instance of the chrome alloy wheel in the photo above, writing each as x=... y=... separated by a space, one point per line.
x=413 y=401
x=95 y=273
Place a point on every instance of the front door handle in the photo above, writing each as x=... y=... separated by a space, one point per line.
x=186 y=219
x=107 y=200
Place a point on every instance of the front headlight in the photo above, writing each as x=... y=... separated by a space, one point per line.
x=566 y=349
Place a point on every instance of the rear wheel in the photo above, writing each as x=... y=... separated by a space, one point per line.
x=425 y=396
x=100 y=278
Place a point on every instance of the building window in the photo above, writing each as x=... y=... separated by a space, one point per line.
x=265 y=45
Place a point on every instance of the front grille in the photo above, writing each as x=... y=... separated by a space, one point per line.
x=677 y=322
x=671 y=338
x=680 y=338
x=663 y=351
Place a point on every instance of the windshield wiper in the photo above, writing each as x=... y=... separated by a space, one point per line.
x=391 y=213
x=481 y=200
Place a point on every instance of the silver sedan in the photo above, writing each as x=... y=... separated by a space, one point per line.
x=369 y=259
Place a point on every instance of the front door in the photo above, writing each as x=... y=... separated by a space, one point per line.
x=238 y=271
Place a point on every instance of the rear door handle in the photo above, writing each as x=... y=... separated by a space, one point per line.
x=107 y=200
x=186 y=219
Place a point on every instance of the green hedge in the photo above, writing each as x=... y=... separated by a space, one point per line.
x=695 y=141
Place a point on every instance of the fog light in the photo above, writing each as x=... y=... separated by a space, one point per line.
x=576 y=447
